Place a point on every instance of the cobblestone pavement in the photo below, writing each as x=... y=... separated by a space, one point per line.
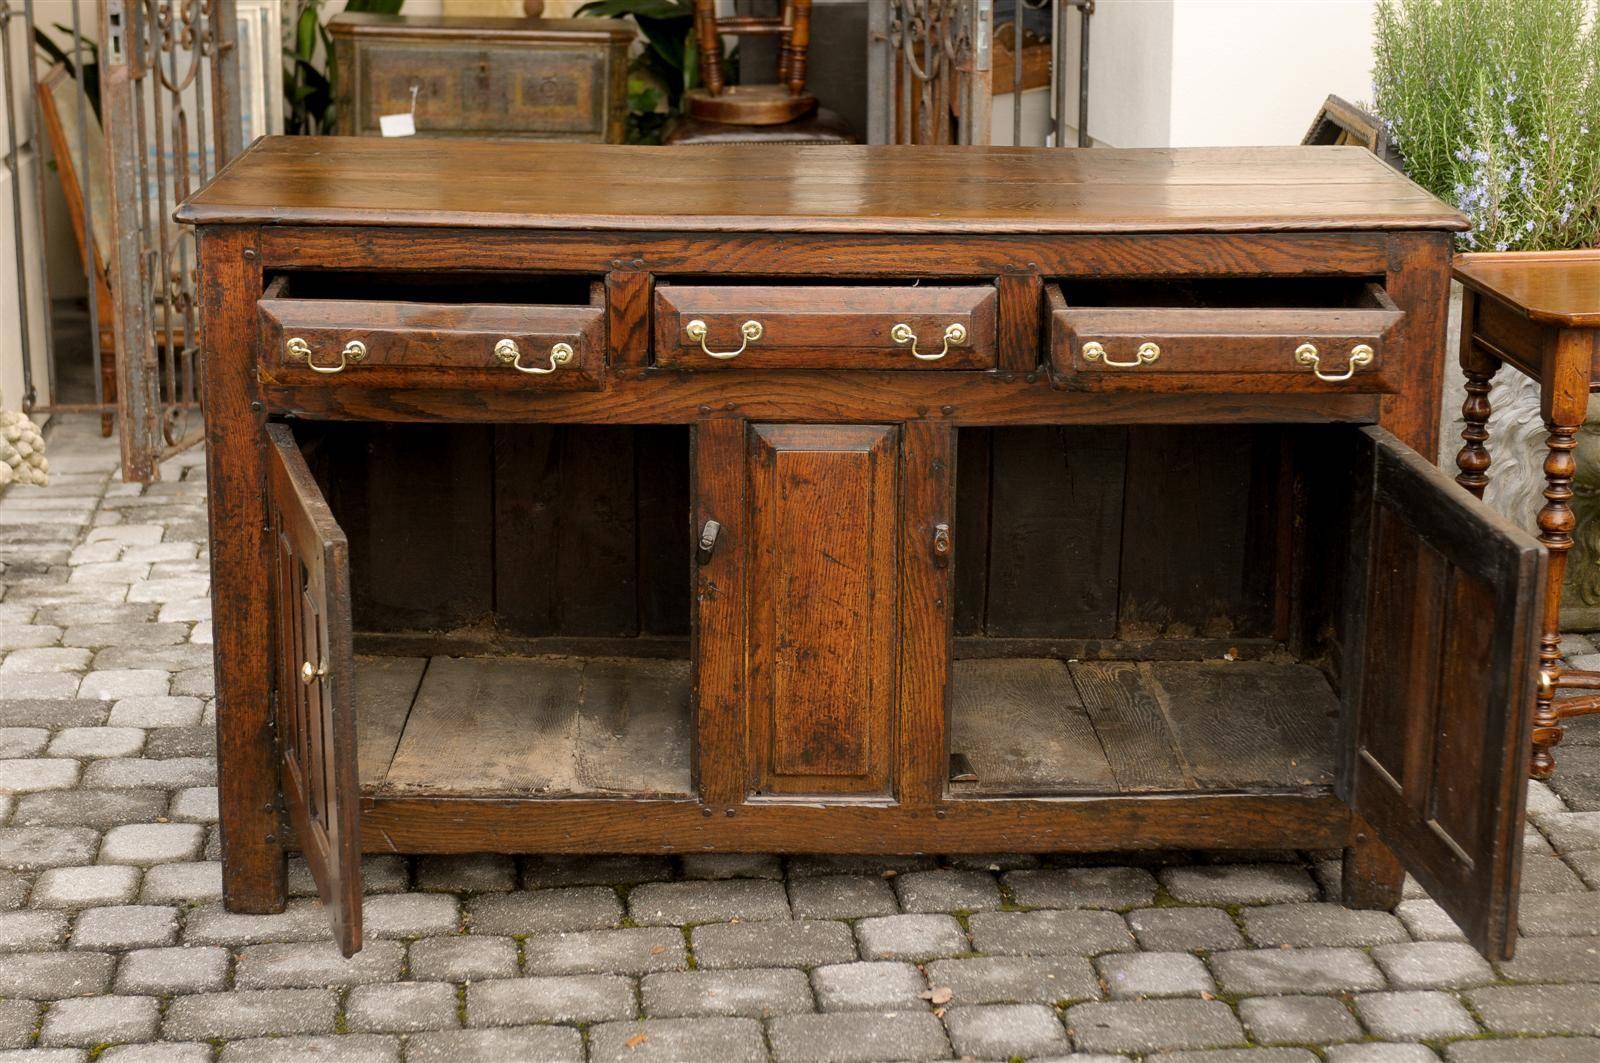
x=112 y=944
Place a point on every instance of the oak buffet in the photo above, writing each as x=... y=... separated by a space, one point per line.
x=578 y=498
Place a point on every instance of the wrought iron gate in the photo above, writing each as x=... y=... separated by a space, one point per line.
x=137 y=103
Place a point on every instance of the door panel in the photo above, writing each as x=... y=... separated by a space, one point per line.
x=314 y=674
x=823 y=578
x=1445 y=660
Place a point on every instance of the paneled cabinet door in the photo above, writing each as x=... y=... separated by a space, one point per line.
x=313 y=677
x=1441 y=682
x=836 y=551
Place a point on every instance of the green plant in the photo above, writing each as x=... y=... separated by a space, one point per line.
x=309 y=90
x=667 y=67
x=89 y=76
x=1495 y=106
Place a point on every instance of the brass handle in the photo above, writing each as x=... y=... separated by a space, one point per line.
x=300 y=351
x=1094 y=351
x=510 y=354
x=310 y=673
x=1360 y=355
x=955 y=334
x=751 y=331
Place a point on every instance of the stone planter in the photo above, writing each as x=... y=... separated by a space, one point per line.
x=1516 y=475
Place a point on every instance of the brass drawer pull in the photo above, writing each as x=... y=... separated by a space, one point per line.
x=310 y=673
x=751 y=331
x=510 y=354
x=1095 y=351
x=1360 y=355
x=300 y=351
x=954 y=334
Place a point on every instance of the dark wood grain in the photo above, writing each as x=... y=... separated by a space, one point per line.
x=373 y=181
x=1131 y=722
x=924 y=613
x=721 y=484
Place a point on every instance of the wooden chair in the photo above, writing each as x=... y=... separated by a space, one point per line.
x=768 y=104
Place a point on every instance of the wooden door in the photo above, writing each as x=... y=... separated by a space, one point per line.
x=314 y=672
x=1444 y=661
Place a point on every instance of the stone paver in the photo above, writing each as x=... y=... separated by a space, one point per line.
x=114 y=944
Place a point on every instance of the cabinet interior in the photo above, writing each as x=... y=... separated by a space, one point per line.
x=1136 y=608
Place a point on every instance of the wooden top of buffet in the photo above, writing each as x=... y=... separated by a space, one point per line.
x=1559 y=288
x=430 y=28
x=799 y=188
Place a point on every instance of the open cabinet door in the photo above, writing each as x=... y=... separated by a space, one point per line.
x=1446 y=655
x=314 y=672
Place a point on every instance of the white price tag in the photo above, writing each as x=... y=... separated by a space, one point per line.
x=397 y=125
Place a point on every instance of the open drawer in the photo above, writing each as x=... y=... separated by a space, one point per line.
x=1312 y=335
x=404 y=331
x=867 y=326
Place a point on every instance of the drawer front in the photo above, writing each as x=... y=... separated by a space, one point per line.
x=400 y=345
x=1272 y=349
x=825 y=327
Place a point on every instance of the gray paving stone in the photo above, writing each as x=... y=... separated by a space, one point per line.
x=916 y=938
x=211 y=925
x=17 y=1021
x=1240 y=884
x=96 y=636
x=54 y=975
x=1184 y=929
x=802 y=943
x=1549 y=1009
x=51 y=712
x=100 y=809
x=27 y=636
x=1275 y=1020
x=544 y=911
x=872 y=985
x=159 y=1052
x=1434 y=965
x=1136 y=975
x=727 y=1040
x=1426 y=921
x=408 y=915
x=45 y=659
x=1016 y=979
x=841 y=897
x=1152 y=1025
x=165 y=711
x=88 y=1021
x=548 y=1044
x=1375 y=1052
x=1553 y=959
x=1525 y=1050
x=47 y=686
x=1049 y=933
x=813 y=864
x=379 y=874
x=90 y=743
x=463 y=958
x=1308 y=924
x=1082 y=887
x=677 y=903
x=1414 y=1015
x=600 y=870
x=139 y=774
x=630 y=950
x=569 y=998
x=857 y=1037
x=471 y=873
x=756 y=994
x=1548 y=874
x=27 y=931
x=126 y=926
x=346 y=1048
x=21 y=776
x=196 y=804
x=19 y=742
x=250 y=1013
x=731 y=865
x=1317 y=970
x=1237 y=1055
x=1587 y=865
x=401 y=1007
x=1001 y=1031
x=165 y=743
x=109 y=684
x=193 y=969
x=947 y=890
x=194 y=883
x=1568 y=830
x=315 y=964
x=1559 y=914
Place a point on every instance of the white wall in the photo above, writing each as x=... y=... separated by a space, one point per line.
x=12 y=313
x=1219 y=72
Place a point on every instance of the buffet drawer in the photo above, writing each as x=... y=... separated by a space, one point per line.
x=310 y=334
x=825 y=326
x=1276 y=347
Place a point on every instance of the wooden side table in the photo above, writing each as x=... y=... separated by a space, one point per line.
x=1538 y=312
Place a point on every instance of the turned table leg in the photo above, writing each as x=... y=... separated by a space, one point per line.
x=1473 y=459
